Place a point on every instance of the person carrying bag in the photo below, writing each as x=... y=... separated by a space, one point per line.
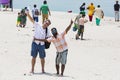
x=47 y=44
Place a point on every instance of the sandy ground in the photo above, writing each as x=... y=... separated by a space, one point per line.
x=95 y=58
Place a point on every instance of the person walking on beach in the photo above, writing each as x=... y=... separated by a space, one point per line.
x=77 y=18
x=44 y=9
x=82 y=9
x=35 y=13
x=116 y=9
x=23 y=18
x=99 y=15
x=82 y=20
x=61 y=47
x=18 y=19
x=91 y=9
x=76 y=21
x=38 y=46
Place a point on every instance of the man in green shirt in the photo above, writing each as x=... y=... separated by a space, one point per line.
x=44 y=9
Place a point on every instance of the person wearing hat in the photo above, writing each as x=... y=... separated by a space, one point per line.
x=61 y=47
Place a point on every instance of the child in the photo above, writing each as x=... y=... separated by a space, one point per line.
x=82 y=20
x=18 y=19
x=23 y=18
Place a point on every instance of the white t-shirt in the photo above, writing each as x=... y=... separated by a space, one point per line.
x=99 y=13
x=40 y=33
x=82 y=21
x=33 y=12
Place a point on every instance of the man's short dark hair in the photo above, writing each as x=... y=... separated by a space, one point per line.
x=44 y=2
x=35 y=5
x=117 y=1
x=98 y=6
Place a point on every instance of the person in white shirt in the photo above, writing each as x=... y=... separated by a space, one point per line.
x=35 y=16
x=61 y=46
x=38 y=46
x=82 y=20
x=99 y=14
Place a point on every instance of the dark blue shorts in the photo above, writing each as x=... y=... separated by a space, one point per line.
x=38 y=48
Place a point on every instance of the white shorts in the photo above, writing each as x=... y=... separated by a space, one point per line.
x=61 y=57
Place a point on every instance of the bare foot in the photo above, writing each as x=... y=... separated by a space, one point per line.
x=61 y=74
x=43 y=71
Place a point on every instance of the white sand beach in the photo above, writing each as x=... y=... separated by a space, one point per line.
x=95 y=58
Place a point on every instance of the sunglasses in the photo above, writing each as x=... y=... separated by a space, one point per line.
x=46 y=22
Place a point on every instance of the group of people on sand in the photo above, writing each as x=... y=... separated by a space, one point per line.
x=38 y=45
x=39 y=38
x=92 y=11
x=22 y=18
x=44 y=10
x=80 y=18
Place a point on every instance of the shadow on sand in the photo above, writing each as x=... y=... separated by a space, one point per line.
x=82 y=39
x=53 y=74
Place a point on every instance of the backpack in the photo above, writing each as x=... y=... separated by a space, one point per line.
x=36 y=12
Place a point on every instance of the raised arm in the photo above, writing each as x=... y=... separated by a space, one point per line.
x=68 y=28
x=31 y=19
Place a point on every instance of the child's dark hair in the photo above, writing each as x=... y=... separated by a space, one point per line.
x=25 y=8
x=98 y=6
x=35 y=5
x=83 y=15
x=23 y=11
x=18 y=13
x=83 y=3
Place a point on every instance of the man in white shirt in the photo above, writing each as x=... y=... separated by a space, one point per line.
x=38 y=46
x=35 y=16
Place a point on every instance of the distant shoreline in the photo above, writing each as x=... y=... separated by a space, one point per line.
x=58 y=5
